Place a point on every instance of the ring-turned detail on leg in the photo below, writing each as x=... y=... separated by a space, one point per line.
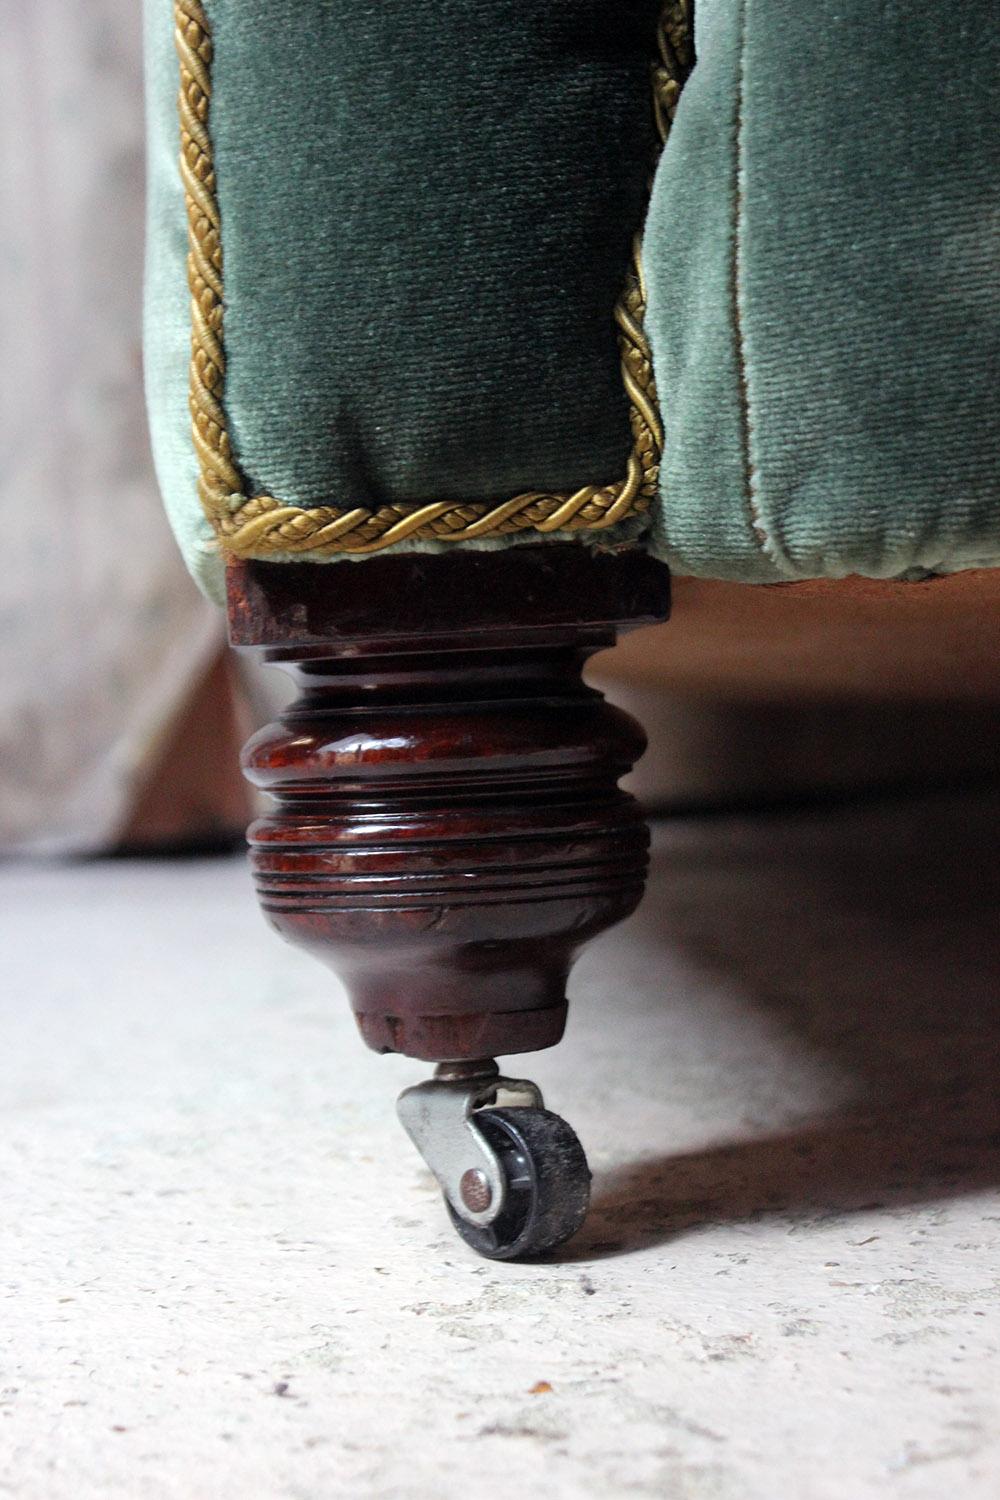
x=448 y=830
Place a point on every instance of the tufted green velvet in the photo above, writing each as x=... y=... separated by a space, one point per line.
x=427 y=210
x=427 y=207
x=823 y=255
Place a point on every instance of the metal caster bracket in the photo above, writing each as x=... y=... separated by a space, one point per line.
x=439 y=1116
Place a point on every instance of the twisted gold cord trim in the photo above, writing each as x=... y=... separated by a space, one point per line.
x=259 y=525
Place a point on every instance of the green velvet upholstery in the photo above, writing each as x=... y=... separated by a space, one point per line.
x=823 y=256
x=427 y=211
x=425 y=242
x=427 y=208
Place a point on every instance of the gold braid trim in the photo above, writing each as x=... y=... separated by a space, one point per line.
x=259 y=525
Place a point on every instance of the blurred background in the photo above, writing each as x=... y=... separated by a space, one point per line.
x=122 y=711
x=117 y=722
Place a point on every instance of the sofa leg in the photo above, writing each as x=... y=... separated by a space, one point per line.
x=448 y=832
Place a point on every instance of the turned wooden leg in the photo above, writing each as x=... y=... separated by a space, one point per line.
x=448 y=833
x=448 y=829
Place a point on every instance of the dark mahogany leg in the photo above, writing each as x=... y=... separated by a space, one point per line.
x=448 y=829
x=448 y=833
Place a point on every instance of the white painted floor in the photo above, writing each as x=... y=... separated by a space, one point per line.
x=226 y=1275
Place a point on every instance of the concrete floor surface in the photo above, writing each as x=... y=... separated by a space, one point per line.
x=225 y=1273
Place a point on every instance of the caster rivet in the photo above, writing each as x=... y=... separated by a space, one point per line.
x=477 y=1195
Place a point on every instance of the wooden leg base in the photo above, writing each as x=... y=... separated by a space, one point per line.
x=449 y=833
x=448 y=829
x=461 y=1038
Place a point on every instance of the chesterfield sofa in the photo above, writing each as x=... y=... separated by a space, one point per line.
x=466 y=325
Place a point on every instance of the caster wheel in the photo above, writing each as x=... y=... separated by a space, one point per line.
x=547 y=1180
